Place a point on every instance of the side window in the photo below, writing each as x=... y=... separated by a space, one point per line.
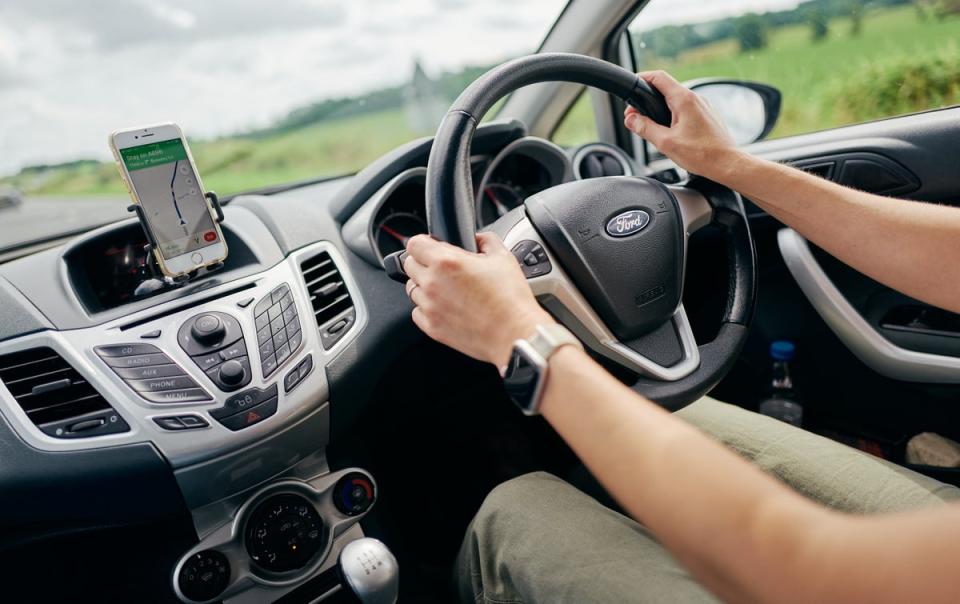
x=837 y=62
x=579 y=125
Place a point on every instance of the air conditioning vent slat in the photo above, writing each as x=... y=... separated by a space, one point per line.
x=53 y=394
x=333 y=307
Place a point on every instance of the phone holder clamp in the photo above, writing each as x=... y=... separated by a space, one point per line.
x=152 y=244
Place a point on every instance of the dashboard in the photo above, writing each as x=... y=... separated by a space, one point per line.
x=502 y=181
x=121 y=401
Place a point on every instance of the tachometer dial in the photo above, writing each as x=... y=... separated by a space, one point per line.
x=395 y=229
x=498 y=199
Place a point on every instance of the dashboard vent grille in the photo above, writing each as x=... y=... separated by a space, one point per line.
x=54 y=395
x=599 y=162
x=328 y=292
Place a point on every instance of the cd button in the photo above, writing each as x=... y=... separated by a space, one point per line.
x=126 y=350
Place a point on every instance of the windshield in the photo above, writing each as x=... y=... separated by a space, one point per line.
x=267 y=92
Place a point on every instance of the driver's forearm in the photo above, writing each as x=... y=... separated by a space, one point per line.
x=740 y=532
x=911 y=247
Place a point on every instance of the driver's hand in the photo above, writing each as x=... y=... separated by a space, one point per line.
x=476 y=303
x=696 y=140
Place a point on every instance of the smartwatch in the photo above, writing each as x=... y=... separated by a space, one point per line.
x=525 y=375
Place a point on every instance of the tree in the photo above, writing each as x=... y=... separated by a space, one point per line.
x=817 y=20
x=751 y=32
x=856 y=17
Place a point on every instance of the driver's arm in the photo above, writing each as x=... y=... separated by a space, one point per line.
x=910 y=247
x=742 y=534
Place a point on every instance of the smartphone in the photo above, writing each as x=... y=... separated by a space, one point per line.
x=158 y=169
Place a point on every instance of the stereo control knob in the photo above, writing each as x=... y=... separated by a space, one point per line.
x=208 y=328
x=232 y=373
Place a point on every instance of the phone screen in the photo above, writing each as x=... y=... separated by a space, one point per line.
x=173 y=204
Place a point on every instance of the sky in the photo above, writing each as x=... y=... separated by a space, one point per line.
x=73 y=71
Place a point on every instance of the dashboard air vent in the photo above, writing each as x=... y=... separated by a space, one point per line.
x=597 y=160
x=55 y=397
x=332 y=305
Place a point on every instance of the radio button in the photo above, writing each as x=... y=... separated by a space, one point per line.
x=140 y=360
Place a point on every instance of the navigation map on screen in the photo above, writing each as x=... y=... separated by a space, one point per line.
x=172 y=201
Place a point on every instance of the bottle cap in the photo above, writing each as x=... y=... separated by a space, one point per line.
x=782 y=350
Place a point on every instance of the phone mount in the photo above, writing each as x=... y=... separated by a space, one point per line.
x=158 y=280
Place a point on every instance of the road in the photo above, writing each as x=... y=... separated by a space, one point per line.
x=39 y=217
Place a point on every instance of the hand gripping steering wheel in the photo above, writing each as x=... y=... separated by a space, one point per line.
x=611 y=252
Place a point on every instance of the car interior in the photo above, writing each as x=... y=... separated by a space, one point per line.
x=152 y=444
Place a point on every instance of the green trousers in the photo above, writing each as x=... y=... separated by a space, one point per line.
x=536 y=539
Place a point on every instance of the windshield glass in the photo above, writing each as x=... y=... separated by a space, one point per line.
x=267 y=92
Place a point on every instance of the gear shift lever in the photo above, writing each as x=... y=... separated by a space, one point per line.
x=370 y=571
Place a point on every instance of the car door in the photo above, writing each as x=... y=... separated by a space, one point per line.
x=869 y=101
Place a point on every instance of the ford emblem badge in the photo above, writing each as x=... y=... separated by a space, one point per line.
x=628 y=223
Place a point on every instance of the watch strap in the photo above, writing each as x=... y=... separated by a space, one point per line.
x=548 y=339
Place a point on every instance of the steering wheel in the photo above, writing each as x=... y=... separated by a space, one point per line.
x=606 y=256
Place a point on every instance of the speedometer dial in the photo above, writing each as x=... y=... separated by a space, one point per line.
x=498 y=199
x=393 y=232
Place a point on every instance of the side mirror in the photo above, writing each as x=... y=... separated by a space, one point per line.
x=749 y=109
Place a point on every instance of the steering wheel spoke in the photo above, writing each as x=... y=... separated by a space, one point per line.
x=644 y=355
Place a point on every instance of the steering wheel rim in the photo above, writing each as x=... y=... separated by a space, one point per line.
x=451 y=217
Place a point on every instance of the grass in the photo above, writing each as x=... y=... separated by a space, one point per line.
x=898 y=64
x=812 y=75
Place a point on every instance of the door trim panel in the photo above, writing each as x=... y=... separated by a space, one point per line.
x=852 y=329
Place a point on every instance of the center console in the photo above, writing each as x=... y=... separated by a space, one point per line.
x=227 y=382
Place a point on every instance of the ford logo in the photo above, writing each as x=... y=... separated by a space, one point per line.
x=628 y=223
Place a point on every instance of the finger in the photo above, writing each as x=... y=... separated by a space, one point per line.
x=425 y=249
x=420 y=320
x=490 y=243
x=414 y=270
x=668 y=86
x=646 y=128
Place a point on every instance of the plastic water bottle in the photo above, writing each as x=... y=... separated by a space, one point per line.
x=782 y=403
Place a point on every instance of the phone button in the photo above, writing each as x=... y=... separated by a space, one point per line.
x=196 y=258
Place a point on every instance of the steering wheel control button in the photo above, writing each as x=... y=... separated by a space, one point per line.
x=277 y=324
x=204 y=575
x=189 y=395
x=532 y=258
x=354 y=493
x=336 y=328
x=298 y=373
x=243 y=401
x=284 y=533
x=251 y=416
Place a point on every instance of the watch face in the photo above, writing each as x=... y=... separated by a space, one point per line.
x=523 y=377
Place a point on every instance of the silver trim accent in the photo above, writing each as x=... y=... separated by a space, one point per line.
x=228 y=539
x=860 y=337
x=610 y=150
x=187 y=447
x=556 y=292
x=535 y=148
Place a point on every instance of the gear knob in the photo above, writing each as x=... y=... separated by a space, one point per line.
x=370 y=571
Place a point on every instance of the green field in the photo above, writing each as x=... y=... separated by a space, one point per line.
x=899 y=63
x=831 y=82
